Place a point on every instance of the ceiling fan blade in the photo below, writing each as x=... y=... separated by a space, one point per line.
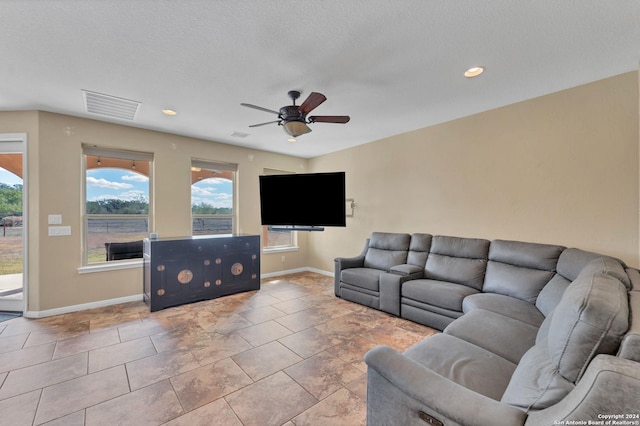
x=313 y=100
x=260 y=108
x=329 y=119
x=262 y=124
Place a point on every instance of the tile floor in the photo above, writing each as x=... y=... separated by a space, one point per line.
x=288 y=354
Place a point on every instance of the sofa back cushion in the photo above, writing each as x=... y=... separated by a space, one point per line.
x=386 y=250
x=519 y=269
x=590 y=319
x=458 y=260
x=571 y=262
x=419 y=249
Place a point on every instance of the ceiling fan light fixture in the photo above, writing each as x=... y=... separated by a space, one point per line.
x=296 y=128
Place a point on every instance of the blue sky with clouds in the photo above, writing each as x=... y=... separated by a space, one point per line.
x=127 y=185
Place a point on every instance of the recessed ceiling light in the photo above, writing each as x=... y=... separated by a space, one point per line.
x=169 y=112
x=473 y=72
x=291 y=140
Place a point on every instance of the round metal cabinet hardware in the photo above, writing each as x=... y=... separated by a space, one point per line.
x=185 y=276
x=236 y=268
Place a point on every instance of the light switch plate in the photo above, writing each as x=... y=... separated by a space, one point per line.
x=55 y=219
x=57 y=231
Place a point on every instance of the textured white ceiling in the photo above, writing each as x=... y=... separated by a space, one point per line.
x=392 y=65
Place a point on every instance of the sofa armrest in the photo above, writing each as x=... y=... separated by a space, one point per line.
x=604 y=392
x=408 y=270
x=391 y=289
x=401 y=391
x=342 y=263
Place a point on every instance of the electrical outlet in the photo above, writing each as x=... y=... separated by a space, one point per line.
x=55 y=219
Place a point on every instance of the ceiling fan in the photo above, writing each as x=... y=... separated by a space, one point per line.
x=294 y=117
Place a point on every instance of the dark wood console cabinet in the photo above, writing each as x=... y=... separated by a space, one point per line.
x=191 y=269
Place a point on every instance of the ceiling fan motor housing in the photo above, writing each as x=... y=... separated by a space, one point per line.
x=291 y=112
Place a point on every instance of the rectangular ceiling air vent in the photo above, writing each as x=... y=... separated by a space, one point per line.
x=110 y=106
x=237 y=134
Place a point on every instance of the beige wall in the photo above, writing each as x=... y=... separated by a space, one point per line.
x=561 y=169
x=55 y=178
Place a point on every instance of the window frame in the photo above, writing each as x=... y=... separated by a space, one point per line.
x=120 y=154
x=223 y=166
x=265 y=228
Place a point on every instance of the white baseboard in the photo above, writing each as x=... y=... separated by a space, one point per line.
x=82 y=307
x=296 y=270
x=137 y=298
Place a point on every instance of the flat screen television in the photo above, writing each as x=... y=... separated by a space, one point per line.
x=305 y=201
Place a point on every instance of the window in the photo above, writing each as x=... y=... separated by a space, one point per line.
x=212 y=197
x=276 y=239
x=117 y=204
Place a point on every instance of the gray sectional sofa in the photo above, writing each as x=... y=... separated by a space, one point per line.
x=533 y=334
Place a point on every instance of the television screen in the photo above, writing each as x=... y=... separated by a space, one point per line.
x=305 y=199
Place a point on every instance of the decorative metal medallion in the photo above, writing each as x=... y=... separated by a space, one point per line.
x=218 y=261
x=218 y=282
x=160 y=268
x=253 y=276
x=161 y=292
x=185 y=276
x=236 y=268
x=207 y=262
x=253 y=257
x=207 y=283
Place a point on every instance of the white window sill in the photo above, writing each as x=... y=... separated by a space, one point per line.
x=279 y=249
x=110 y=266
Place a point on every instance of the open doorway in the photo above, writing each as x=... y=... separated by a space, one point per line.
x=12 y=223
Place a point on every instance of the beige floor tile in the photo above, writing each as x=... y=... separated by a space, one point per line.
x=205 y=384
x=146 y=371
x=181 y=339
x=121 y=353
x=13 y=342
x=216 y=413
x=202 y=352
x=74 y=419
x=264 y=333
x=73 y=395
x=220 y=346
x=265 y=360
x=19 y=410
x=270 y=402
x=323 y=374
x=340 y=409
x=25 y=357
x=42 y=375
x=292 y=306
x=143 y=329
x=227 y=324
x=302 y=320
x=310 y=342
x=263 y=314
x=86 y=342
x=150 y=406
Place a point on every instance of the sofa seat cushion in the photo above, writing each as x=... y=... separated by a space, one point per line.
x=536 y=383
x=366 y=278
x=464 y=363
x=442 y=294
x=507 y=337
x=505 y=305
